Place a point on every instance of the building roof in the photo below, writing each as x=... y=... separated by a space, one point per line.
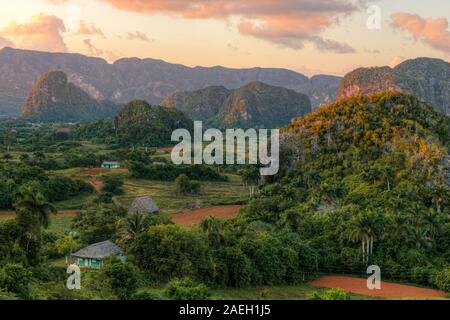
x=143 y=204
x=99 y=250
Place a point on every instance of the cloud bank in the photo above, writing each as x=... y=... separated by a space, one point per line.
x=433 y=32
x=289 y=23
x=42 y=32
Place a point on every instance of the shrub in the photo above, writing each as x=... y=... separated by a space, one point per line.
x=186 y=289
x=332 y=294
x=123 y=278
x=16 y=278
x=443 y=280
x=184 y=185
x=147 y=295
x=113 y=184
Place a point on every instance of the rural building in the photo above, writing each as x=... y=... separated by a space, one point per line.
x=143 y=204
x=93 y=255
x=111 y=165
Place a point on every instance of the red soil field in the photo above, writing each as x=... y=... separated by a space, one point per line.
x=93 y=171
x=388 y=289
x=196 y=216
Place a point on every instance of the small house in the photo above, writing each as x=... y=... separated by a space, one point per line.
x=143 y=204
x=111 y=165
x=94 y=255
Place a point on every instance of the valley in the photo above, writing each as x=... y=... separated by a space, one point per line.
x=362 y=180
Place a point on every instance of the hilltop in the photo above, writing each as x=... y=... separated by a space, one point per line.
x=53 y=98
x=255 y=104
x=426 y=78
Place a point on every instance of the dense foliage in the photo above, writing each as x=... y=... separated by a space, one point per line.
x=169 y=172
x=363 y=182
x=54 y=187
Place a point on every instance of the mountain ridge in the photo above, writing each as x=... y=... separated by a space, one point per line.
x=426 y=78
x=254 y=104
x=132 y=78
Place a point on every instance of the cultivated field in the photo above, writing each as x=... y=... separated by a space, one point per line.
x=388 y=289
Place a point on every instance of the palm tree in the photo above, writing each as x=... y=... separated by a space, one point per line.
x=434 y=222
x=364 y=228
x=134 y=224
x=33 y=201
x=358 y=232
x=418 y=237
x=439 y=193
x=212 y=227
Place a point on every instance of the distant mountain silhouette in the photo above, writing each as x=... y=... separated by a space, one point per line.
x=133 y=78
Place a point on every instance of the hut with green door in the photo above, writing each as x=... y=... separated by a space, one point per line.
x=93 y=256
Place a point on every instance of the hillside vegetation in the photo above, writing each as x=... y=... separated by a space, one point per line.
x=426 y=78
x=255 y=104
x=139 y=124
x=52 y=98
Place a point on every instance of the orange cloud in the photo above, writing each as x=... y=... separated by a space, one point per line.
x=85 y=29
x=43 y=32
x=109 y=55
x=137 y=36
x=289 y=23
x=433 y=32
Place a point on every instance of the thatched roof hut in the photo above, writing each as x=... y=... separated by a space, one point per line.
x=92 y=256
x=143 y=204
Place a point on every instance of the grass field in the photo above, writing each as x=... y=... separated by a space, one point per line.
x=163 y=193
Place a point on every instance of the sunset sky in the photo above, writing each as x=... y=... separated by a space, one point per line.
x=309 y=36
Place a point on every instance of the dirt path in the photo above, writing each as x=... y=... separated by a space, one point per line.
x=9 y=215
x=388 y=289
x=196 y=216
x=97 y=185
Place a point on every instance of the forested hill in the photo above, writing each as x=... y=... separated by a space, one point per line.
x=53 y=98
x=139 y=124
x=426 y=78
x=363 y=182
x=255 y=104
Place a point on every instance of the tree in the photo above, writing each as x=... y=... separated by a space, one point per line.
x=184 y=185
x=123 y=277
x=9 y=138
x=213 y=228
x=171 y=251
x=31 y=200
x=363 y=228
x=16 y=279
x=113 y=184
x=133 y=225
x=251 y=177
x=418 y=236
x=99 y=222
x=66 y=246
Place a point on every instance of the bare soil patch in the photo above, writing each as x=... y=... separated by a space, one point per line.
x=388 y=289
x=196 y=216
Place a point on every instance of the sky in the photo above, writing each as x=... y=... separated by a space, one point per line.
x=308 y=36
